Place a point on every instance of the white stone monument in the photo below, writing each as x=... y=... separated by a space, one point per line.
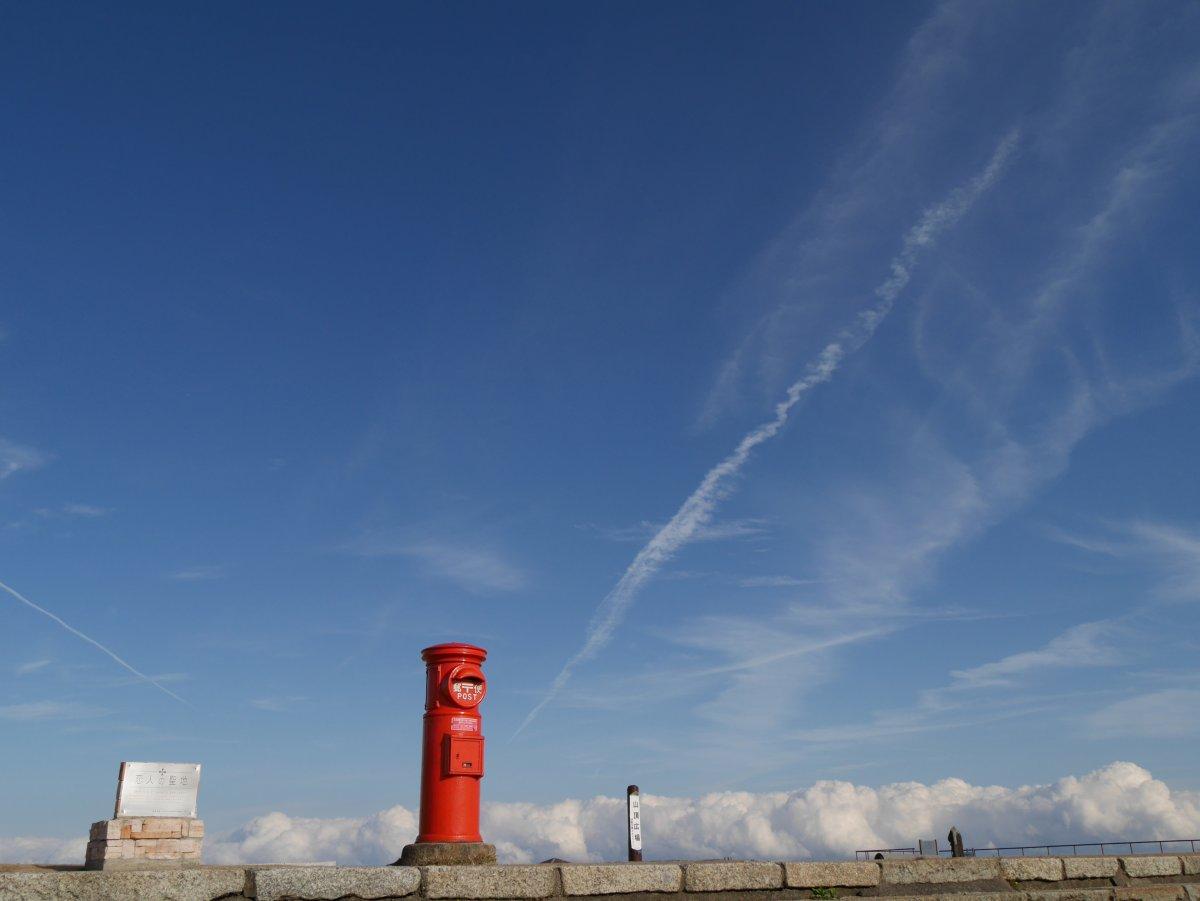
x=154 y=823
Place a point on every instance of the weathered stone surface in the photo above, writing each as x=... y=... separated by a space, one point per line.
x=620 y=878
x=436 y=854
x=1151 y=865
x=196 y=884
x=490 y=882
x=1191 y=864
x=937 y=870
x=1090 y=867
x=1028 y=869
x=320 y=883
x=830 y=874
x=1071 y=894
x=1150 y=893
x=733 y=875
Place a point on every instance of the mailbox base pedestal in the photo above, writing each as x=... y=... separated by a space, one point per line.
x=424 y=854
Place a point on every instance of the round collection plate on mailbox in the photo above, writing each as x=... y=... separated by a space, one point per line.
x=465 y=685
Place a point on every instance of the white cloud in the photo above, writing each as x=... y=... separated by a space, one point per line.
x=16 y=458
x=829 y=819
x=108 y=651
x=49 y=710
x=698 y=508
x=1080 y=646
x=1170 y=713
x=1174 y=550
x=477 y=569
x=276 y=705
x=278 y=838
x=32 y=667
x=724 y=530
x=35 y=849
x=776 y=582
x=72 y=511
x=198 y=574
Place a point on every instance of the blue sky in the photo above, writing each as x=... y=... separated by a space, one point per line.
x=333 y=332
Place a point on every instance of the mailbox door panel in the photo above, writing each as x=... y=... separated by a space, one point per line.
x=464 y=756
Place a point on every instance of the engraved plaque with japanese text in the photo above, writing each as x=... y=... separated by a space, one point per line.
x=157 y=789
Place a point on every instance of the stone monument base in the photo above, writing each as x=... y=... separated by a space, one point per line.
x=131 y=843
x=423 y=854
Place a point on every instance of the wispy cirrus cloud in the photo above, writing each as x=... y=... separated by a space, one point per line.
x=956 y=705
x=1167 y=713
x=50 y=710
x=16 y=458
x=73 y=511
x=199 y=573
x=1084 y=645
x=102 y=648
x=1171 y=550
x=698 y=509
x=477 y=568
x=277 y=704
x=722 y=530
x=33 y=666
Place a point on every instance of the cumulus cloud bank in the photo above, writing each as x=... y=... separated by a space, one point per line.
x=829 y=819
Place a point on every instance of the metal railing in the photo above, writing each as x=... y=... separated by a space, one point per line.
x=1150 y=846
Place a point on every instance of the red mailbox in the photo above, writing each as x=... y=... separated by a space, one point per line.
x=452 y=756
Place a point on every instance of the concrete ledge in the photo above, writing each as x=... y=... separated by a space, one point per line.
x=620 y=878
x=733 y=875
x=202 y=884
x=1071 y=894
x=831 y=874
x=1091 y=867
x=1135 y=878
x=1031 y=869
x=490 y=882
x=933 y=870
x=328 y=883
x=1151 y=865
x=1150 y=893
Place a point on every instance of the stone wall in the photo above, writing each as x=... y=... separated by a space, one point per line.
x=1140 y=878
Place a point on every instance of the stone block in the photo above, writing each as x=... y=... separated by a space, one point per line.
x=620 y=878
x=272 y=883
x=731 y=876
x=922 y=870
x=196 y=884
x=1150 y=893
x=1191 y=864
x=1090 y=867
x=1151 y=865
x=471 y=882
x=830 y=874
x=1029 y=869
x=1071 y=894
x=194 y=828
x=105 y=830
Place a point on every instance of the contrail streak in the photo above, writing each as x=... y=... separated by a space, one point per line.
x=42 y=610
x=698 y=509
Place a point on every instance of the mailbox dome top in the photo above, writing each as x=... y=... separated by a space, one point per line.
x=454 y=650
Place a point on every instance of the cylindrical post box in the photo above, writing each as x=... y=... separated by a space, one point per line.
x=452 y=755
